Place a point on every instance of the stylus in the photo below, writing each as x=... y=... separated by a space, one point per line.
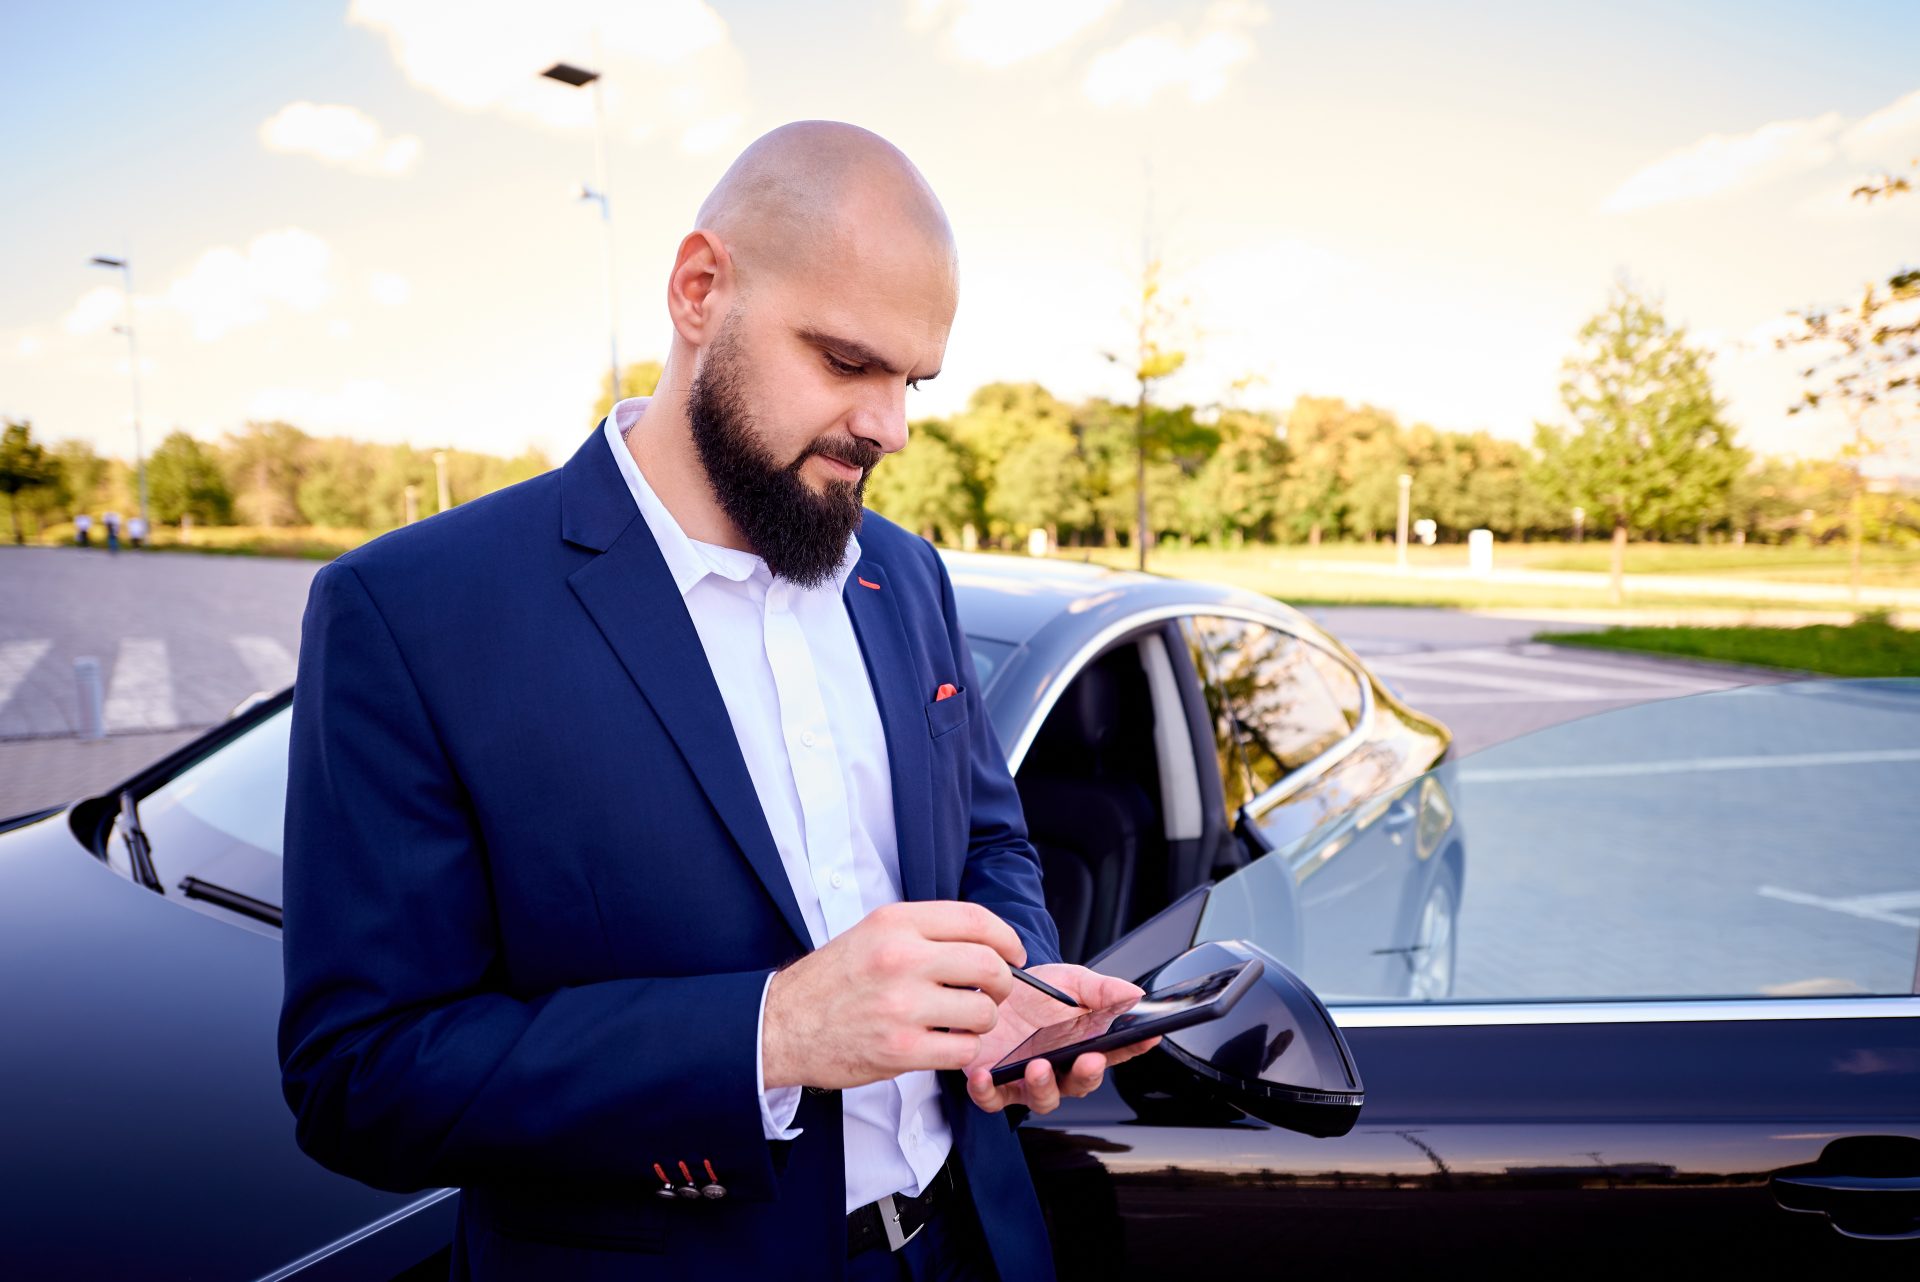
x=1046 y=988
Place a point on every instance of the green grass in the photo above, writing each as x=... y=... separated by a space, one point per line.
x=1870 y=647
x=1275 y=572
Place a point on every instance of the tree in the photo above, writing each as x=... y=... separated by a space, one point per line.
x=86 y=473
x=262 y=462
x=184 y=479
x=1153 y=359
x=24 y=468
x=638 y=379
x=998 y=420
x=927 y=486
x=1646 y=445
x=336 y=483
x=1870 y=369
x=1343 y=465
x=1236 y=492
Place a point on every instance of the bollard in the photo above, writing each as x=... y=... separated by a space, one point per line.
x=1480 y=552
x=93 y=716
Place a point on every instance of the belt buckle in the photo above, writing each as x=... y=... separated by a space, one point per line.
x=890 y=1221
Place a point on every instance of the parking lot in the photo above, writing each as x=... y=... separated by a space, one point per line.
x=181 y=638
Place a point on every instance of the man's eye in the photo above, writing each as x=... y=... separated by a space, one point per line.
x=914 y=383
x=841 y=367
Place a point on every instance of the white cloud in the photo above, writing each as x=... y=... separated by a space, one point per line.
x=363 y=407
x=389 y=289
x=1000 y=33
x=1721 y=163
x=338 y=135
x=95 y=310
x=229 y=288
x=1890 y=136
x=669 y=66
x=1163 y=58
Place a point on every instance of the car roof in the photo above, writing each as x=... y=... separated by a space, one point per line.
x=1010 y=598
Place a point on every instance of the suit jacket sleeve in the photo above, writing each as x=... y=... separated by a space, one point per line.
x=405 y=1062
x=1003 y=869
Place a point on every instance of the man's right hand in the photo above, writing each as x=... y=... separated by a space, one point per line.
x=867 y=1005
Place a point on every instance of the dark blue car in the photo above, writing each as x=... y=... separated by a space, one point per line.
x=1663 y=1018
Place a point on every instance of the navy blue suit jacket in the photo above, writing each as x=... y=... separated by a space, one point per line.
x=531 y=898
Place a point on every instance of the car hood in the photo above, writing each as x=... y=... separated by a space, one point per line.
x=143 y=1120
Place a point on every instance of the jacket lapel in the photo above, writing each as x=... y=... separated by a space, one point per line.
x=632 y=598
x=891 y=671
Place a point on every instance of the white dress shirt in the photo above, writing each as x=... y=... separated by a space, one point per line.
x=795 y=685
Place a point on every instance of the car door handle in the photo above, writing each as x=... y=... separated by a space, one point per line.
x=1880 y=1207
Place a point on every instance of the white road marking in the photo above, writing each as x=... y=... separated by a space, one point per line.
x=272 y=667
x=1406 y=671
x=1420 y=698
x=141 y=694
x=16 y=661
x=1627 y=769
x=1638 y=675
x=1867 y=907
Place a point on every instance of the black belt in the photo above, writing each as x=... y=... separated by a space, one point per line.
x=895 y=1218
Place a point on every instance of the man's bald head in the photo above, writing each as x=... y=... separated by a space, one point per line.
x=817 y=291
x=815 y=194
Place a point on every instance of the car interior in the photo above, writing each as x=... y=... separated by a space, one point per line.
x=1125 y=813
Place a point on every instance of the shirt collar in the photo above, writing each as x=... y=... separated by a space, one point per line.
x=689 y=560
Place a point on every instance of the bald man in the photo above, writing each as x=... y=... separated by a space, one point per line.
x=652 y=868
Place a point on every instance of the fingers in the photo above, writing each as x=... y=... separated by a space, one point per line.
x=959 y=1010
x=1085 y=1074
x=964 y=923
x=1122 y=1054
x=1043 y=1093
x=971 y=966
x=983 y=1092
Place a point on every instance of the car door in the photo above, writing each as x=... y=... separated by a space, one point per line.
x=1685 y=1040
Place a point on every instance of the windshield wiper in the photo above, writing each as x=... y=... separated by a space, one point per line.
x=139 y=850
x=231 y=900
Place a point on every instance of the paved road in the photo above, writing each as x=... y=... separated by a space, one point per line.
x=1757 y=841
x=181 y=638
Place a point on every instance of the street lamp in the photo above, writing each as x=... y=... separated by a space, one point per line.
x=1400 y=530
x=580 y=77
x=133 y=368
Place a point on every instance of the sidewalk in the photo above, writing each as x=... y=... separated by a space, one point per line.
x=1831 y=594
x=35 y=773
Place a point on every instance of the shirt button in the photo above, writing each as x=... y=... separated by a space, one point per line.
x=806 y=737
x=837 y=880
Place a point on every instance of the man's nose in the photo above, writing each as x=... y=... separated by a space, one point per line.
x=882 y=417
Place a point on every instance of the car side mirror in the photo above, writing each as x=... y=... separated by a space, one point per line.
x=1276 y=1056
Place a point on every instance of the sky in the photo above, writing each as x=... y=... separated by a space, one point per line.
x=362 y=216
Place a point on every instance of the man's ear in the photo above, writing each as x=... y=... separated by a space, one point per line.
x=700 y=287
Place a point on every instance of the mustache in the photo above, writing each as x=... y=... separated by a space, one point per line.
x=854 y=453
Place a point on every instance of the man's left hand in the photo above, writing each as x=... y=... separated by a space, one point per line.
x=1026 y=1009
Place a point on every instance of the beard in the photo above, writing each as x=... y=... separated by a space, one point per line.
x=801 y=535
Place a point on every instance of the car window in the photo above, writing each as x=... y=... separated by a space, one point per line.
x=1752 y=842
x=1275 y=690
x=1233 y=769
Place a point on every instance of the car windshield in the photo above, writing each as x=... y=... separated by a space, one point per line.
x=1751 y=842
x=987 y=657
x=220 y=820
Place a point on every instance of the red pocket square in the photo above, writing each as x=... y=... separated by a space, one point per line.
x=946 y=691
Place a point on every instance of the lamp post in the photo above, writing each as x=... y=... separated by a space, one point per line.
x=440 y=480
x=1400 y=530
x=133 y=368
x=580 y=77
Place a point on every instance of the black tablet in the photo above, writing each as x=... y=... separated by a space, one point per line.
x=1192 y=1001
